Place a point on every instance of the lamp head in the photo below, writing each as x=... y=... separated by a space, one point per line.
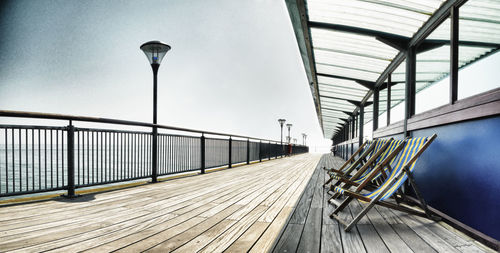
x=289 y=125
x=282 y=121
x=155 y=51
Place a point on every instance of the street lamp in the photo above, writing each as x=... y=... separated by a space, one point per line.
x=155 y=51
x=304 y=139
x=281 y=121
x=289 y=126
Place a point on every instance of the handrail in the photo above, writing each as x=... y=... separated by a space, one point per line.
x=45 y=158
x=55 y=116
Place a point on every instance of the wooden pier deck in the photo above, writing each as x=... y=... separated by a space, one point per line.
x=278 y=205
x=234 y=210
x=383 y=230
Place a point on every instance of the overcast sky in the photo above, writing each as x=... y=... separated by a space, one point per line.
x=234 y=65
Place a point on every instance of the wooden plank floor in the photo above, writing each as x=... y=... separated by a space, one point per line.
x=234 y=210
x=383 y=230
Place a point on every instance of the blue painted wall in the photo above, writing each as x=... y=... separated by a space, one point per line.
x=459 y=174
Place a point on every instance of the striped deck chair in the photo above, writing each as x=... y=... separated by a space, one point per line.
x=351 y=159
x=363 y=172
x=401 y=169
x=365 y=150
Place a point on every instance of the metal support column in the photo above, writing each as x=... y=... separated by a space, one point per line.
x=361 y=122
x=356 y=121
x=454 y=15
x=388 y=109
x=376 y=94
x=411 y=60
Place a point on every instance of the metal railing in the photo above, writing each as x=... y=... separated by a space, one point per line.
x=37 y=159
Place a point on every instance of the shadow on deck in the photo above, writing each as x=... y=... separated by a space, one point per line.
x=310 y=228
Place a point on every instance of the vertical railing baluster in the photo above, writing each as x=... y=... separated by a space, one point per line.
x=57 y=158
x=6 y=163
x=94 y=169
x=88 y=157
x=62 y=158
x=32 y=159
x=51 y=162
x=27 y=159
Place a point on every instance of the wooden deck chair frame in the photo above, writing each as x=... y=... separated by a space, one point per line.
x=354 y=164
x=348 y=161
x=371 y=163
x=376 y=201
x=368 y=164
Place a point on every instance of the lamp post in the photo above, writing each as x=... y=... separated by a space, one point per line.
x=289 y=126
x=155 y=51
x=304 y=139
x=282 y=121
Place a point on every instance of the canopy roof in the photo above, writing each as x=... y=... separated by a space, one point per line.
x=349 y=47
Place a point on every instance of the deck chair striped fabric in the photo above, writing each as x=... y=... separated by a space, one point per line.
x=401 y=169
x=392 y=147
x=380 y=149
x=380 y=146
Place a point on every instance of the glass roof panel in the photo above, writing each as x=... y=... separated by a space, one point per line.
x=347 y=60
x=342 y=91
x=352 y=43
x=341 y=88
x=339 y=71
x=403 y=18
x=341 y=83
x=336 y=102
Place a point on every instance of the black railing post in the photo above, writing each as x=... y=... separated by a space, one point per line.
x=260 y=151
x=269 y=151
x=71 y=160
x=202 y=152
x=275 y=150
x=230 y=151
x=248 y=151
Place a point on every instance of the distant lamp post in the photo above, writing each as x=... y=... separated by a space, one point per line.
x=155 y=51
x=281 y=121
x=289 y=126
x=304 y=136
